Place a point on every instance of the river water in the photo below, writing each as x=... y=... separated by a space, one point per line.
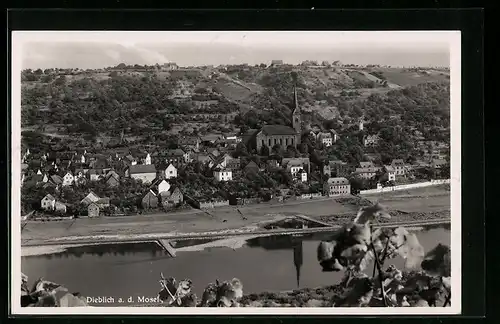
x=132 y=271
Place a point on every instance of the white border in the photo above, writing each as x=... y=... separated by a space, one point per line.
x=452 y=38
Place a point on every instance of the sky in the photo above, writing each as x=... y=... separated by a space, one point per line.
x=102 y=49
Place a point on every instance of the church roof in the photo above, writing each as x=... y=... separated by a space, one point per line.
x=278 y=130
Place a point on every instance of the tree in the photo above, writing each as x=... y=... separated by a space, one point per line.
x=277 y=149
x=241 y=149
x=291 y=152
x=264 y=150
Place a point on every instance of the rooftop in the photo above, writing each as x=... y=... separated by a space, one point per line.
x=338 y=181
x=142 y=168
x=278 y=130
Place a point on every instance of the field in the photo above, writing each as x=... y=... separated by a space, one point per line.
x=405 y=78
x=435 y=200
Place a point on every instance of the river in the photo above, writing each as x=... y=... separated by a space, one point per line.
x=133 y=270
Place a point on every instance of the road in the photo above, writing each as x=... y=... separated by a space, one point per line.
x=180 y=237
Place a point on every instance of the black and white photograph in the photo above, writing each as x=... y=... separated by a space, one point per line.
x=236 y=172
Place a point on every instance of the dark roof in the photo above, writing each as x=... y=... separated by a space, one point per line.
x=278 y=130
x=49 y=196
x=251 y=165
x=103 y=201
x=397 y=161
x=57 y=179
x=176 y=152
x=338 y=181
x=142 y=168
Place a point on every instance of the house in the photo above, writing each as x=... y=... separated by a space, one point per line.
x=68 y=179
x=48 y=202
x=90 y=198
x=366 y=164
x=171 y=197
x=336 y=168
x=145 y=173
x=251 y=167
x=161 y=185
x=99 y=164
x=326 y=139
x=176 y=157
x=338 y=186
x=301 y=175
x=233 y=164
x=93 y=210
x=212 y=138
x=147 y=159
x=190 y=143
x=438 y=163
x=112 y=181
x=170 y=171
x=112 y=173
x=294 y=167
x=45 y=178
x=306 y=163
x=223 y=175
x=149 y=200
x=400 y=167
x=96 y=174
x=391 y=173
x=60 y=207
x=203 y=158
x=370 y=140
x=57 y=180
x=276 y=62
x=367 y=173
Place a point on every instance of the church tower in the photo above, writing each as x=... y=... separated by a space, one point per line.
x=296 y=115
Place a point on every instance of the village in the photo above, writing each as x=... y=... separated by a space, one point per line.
x=160 y=181
x=229 y=159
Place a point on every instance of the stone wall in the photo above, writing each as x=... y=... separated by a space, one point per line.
x=406 y=186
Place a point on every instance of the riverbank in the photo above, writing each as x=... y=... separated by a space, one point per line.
x=415 y=204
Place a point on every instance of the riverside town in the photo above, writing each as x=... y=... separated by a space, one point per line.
x=173 y=180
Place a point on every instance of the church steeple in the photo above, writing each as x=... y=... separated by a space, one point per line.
x=296 y=115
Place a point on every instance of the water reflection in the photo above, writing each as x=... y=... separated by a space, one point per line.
x=100 y=270
x=298 y=258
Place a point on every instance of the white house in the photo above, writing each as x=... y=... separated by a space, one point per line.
x=170 y=171
x=326 y=139
x=145 y=173
x=48 y=202
x=147 y=160
x=223 y=175
x=45 y=178
x=39 y=172
x=391 y=173
x=163 y=186
x=294 y=167
x=302 y=175
x=68 y=179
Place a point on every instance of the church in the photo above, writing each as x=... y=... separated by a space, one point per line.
x=270 y=135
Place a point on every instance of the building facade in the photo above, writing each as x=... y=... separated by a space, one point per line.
x=271 y=135
x=145 y=173
x=337 y=187
x=223 y=175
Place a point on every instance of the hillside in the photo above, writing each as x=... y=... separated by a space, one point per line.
x=145 y=104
